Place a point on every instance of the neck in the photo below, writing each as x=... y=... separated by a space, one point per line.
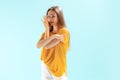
x=55 y=29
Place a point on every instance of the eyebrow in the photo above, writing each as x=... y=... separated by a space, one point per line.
x=50 y=14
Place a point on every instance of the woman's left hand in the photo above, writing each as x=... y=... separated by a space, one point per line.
x=57 y=36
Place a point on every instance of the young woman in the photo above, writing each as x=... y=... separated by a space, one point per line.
x=55 y=43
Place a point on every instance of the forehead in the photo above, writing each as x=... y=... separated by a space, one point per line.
x=51 y=12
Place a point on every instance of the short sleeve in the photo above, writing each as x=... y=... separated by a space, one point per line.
x=42 y=36
x=66 y=35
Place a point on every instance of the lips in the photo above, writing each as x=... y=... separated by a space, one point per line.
x=51 y=23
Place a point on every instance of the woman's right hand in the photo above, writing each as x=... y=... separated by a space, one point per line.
x=46 y=25
x=45 y=22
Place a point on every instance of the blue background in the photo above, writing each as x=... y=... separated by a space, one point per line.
x=95 y=38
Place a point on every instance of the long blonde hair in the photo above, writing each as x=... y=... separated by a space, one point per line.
x=59 y=12
x=61 y=21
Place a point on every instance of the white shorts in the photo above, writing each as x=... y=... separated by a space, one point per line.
x=46 y=75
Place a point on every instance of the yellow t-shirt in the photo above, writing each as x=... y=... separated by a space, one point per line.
x=55 y=57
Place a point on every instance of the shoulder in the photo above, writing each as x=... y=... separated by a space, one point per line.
x=64 y=30
x=42 y=35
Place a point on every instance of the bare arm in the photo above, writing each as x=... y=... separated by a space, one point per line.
x=54 y=42
x=50 y=41
x=43 y=42
x=47 y=39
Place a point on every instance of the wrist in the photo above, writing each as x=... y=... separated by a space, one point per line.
x=47 y=33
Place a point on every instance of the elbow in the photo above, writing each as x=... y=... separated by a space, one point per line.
x=37 y=46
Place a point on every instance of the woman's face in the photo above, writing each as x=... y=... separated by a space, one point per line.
x=52 y=18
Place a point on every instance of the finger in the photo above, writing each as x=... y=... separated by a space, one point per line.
x=45 y=17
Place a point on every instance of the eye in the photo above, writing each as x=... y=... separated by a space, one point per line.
x=50 y=16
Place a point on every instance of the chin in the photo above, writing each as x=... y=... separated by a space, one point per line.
x=52 y=24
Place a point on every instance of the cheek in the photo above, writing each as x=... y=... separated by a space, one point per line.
x=48 y=20
x=56 y=20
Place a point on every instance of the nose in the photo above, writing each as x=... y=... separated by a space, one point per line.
x=50 y=19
